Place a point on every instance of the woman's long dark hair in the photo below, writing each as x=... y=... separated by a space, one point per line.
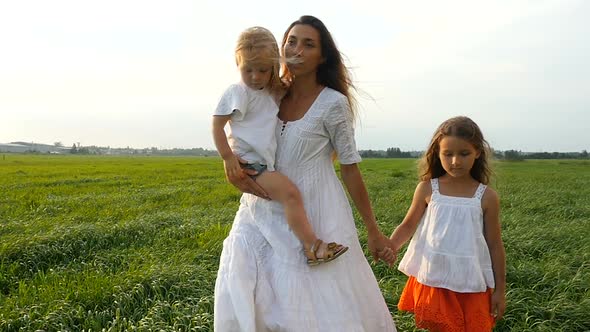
x=332 y=72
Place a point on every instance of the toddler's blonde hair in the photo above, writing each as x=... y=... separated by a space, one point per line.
x=258 y=46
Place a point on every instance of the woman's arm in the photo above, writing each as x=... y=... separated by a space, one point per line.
x=493 y=236
x=406 y=229
x=235 y=174
x=353 y=180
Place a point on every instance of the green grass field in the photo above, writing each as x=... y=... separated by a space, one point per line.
x=132 y=243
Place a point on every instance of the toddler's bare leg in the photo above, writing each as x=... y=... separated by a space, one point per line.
x=281 y=189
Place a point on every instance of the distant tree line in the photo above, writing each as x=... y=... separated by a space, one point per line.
x=512 y=155
x=515 y=155
x=389 y=153
x=394 y=152
x=100 y=150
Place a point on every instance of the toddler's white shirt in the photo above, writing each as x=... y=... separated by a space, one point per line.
x=251 y=132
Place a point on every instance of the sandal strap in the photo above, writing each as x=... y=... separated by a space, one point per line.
x=314 y=248
x=333 y=245
x=332 y=249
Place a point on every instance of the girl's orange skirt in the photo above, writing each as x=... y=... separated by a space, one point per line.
x=439 y=309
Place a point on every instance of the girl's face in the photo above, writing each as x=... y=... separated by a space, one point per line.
x=457 y=156
x=256 y=76
x=303 y=50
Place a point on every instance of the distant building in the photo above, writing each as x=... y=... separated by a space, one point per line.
x=32 y=147
x=10 y=147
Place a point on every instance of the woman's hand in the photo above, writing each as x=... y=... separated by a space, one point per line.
x=232 y=167
x=240 y=178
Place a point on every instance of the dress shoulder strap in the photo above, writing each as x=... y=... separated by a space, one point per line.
x=434 y=185
x=480 y=190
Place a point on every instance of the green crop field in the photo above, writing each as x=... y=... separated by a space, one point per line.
x=93 y=243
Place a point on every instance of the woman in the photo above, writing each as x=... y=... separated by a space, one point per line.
x=262 y=283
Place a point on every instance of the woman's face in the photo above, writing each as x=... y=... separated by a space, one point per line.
x=303 y=50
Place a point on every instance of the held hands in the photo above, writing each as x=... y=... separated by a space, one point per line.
x=388 y=255
x=240 y=178
x=379 y=246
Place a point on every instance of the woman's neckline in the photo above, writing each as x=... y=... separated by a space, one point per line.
x=308 y=109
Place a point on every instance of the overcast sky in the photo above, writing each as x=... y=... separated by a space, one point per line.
x=149 y=73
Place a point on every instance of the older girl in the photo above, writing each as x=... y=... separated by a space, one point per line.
x=455 y=260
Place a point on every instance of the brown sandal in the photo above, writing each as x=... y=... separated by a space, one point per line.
x=333 y=251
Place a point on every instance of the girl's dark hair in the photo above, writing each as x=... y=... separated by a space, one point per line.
x=463 y=127
x=332 y=72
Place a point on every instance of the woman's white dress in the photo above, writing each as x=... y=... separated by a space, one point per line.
x=263 y=282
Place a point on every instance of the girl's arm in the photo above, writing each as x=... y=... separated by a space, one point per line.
x=492 y=234
x=406 y=229
x=353 y=180
x=220 y=140
x=231 y=163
